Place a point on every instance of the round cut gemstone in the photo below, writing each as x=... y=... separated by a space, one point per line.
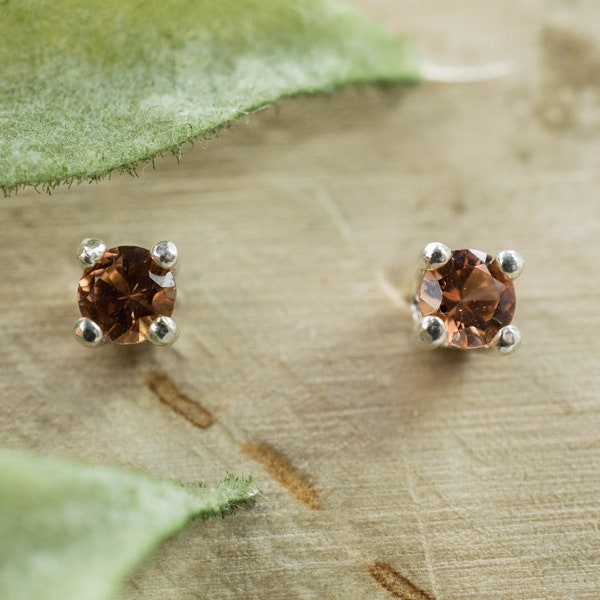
x=471 y=294
x=124 y=292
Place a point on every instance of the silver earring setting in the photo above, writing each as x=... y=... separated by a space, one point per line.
x=465 y=299
x=126 y=294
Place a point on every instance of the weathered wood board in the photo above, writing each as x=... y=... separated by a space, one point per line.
x=385 y=472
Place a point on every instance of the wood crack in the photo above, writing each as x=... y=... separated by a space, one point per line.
x=395 y=583
x=168 y=393
x=283 y=471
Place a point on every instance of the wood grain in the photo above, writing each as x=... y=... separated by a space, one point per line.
x=468 y=477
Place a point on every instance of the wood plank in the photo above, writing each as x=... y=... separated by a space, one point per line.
x=465 y=477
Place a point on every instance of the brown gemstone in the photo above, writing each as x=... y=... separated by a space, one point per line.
x=124 y=292
x=471 y=295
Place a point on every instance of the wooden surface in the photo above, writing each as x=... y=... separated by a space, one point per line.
x=385 y=472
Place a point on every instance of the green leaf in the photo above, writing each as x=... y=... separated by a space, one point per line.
x=88 y=87
x=73 y=531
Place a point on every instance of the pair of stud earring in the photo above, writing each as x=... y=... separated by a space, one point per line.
x=464 y=299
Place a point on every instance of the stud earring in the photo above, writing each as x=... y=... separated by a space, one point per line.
x=465 y=299
x=126 y=294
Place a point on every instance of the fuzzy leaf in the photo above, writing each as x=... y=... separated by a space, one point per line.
x=88 y=87
x=73 y=531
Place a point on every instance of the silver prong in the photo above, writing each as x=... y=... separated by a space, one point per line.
x=163 y=331
x=436 y=255
x=430 y=332
x=88 y=333
x=510 y=263
x=164 y=254
x=507 y=340
x=90 y=251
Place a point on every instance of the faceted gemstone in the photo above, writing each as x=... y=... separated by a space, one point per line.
x=471 y=295
x=124 y=292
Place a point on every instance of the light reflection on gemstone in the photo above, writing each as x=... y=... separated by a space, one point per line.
x=166 y=280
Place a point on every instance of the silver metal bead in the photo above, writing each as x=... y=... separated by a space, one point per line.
x=507 y=340
x=163 y=331
x=436 y=255
x=164 y=254
x=430 y=332
x=88 y=333
x=510 y=263
x=90 y=251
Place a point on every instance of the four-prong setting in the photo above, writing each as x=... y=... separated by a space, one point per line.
x=126 y=295
x=435 y=255
x=510 y=263
x=465 y=299
x=507 y=340
x=163 y=331
x=164 y=254
x=88 y=333
x=430 y=332
x=90 y=251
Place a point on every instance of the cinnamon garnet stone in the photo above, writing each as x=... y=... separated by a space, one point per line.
x=471 y=294
x=124 y=292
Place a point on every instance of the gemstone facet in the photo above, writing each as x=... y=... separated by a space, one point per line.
x=124 y=292
x=472 y=295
